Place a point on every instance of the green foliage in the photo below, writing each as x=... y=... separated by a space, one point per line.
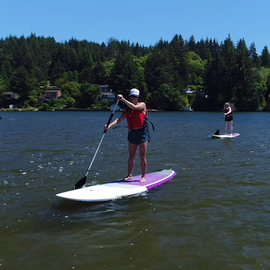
x=158 y=68
x=96 y=106
x=20 y=82
x=196 y=67
x=33 y=101
x=221 y=72
x=60 y=82
x=125 y=74
x=265 y=58
x=172 y=99
x=105 y=104
x=89 y=94
x=70 y=102
x=73 y=89
x=2 y=85
x=44 y=107
x=179 y=59
x=59 y=103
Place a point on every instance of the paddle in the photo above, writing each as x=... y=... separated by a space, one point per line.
x=82 y=182
x=217 y=132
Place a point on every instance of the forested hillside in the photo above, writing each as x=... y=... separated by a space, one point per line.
x=216 y=72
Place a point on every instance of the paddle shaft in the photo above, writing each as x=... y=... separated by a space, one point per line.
x=217 y=132
x=109 y=121
x=81 y=182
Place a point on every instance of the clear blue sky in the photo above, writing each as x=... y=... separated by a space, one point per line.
x=142 y=21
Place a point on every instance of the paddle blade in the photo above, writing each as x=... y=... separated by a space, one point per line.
x=217 y=132
x=80 y=183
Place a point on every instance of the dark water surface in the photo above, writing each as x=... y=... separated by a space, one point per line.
x=214 y=214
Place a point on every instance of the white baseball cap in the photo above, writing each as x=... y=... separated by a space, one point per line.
x=134 y=92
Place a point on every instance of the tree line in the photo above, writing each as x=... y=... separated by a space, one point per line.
x=215 y=72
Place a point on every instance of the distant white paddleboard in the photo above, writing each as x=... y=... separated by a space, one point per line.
x=118 y=189
x=229 y=136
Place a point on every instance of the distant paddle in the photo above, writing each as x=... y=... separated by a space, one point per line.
x=217 y=132
x=82 y=182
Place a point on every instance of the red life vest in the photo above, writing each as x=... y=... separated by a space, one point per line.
x=135 y=118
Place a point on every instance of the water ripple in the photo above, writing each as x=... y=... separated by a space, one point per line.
x=214 y=214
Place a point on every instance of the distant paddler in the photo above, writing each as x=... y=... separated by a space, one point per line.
x=228 y=117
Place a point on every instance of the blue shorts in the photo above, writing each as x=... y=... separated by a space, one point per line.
x=228 y=118
x=138 y=136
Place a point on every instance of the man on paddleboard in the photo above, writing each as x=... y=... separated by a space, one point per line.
x=228 y=117
x=138 y=134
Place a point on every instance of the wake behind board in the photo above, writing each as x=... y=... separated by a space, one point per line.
x=119 y=188
x=229 y=136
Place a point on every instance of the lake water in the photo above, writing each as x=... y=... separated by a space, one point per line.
x=214 y=214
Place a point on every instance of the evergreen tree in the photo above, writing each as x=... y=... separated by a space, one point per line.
x=21 y=83
x=124 y=74
x=191 y=44
x=180 y=62
x=203 y=49
x=158 y=67
x=265 y=58
x=86 y=75
x=57 y=71
x=136 y=50
x=227 y=88
x=6 y=72
x=112 y=48
x=214 y=79
x=85 y=60
x=253 y=55
x=245 y=92
x=99 y=74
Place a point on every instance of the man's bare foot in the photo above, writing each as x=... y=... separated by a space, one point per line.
x=127 y=178
x=143 y=180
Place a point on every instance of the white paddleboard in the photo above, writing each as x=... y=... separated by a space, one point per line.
x=229 y=136
x=118 y=189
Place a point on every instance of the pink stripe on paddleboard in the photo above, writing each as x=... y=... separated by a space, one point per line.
x=152 y=180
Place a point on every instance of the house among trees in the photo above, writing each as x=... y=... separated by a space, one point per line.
x=11 y=95
x=52 y=94
x=12 y=99
x=107 y=93
x=190 y=91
